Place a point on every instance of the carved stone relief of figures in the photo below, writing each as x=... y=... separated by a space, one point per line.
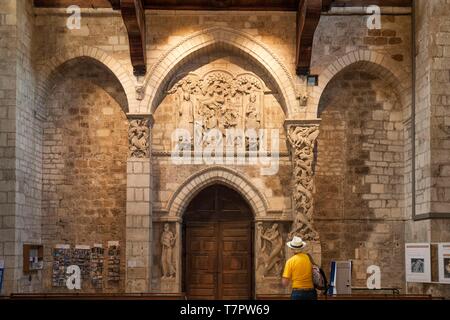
x=168 y=240
x=138 y=138
x=302 y=140
x=186 y=89
x=218 y=101
x=303 y=99
x=270 y=248
x=252 y=114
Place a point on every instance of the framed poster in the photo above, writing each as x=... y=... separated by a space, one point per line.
x=418 y=262
x=444 y=262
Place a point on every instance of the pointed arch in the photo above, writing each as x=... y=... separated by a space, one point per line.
x=216 y=175
x=218 y=38
x=49 y=67
x=372 y=62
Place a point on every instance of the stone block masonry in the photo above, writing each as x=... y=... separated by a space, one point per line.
x=138 y=225
x=84 y=162
x=360 y=176
x=67 y=176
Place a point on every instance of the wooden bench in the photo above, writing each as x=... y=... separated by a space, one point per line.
x=97 y=296
x=355 y=297
x=182 y=296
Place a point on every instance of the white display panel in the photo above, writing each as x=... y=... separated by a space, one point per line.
x=418 y=262
x=444 y=262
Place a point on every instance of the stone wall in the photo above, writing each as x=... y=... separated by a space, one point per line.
x=360 y=214
x=21 y=145
x=359 y=176
x=432 y=114
x=338 y=35
x=84 y=163
x=8 y=47
x=28 y=147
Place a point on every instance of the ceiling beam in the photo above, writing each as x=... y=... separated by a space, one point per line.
x=133 y=16
x=308 y=16
x=251 y=5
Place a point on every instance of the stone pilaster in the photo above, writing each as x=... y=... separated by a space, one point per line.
x=139 y=205
x=302 y=136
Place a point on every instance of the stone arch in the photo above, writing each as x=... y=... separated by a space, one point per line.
x=221 y=175
x=213 y=39
x=372 y=62
x=49 y=68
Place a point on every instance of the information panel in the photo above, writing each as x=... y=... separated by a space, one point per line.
x=444 y=262
x=418 y=262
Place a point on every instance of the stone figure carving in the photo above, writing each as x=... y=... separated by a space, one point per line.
x=303 y=99
x=138 y=138
x=271 y=249
x=252 y=114
x=185 y=114
x=168 y=240
x=218 y=101
x=215 y=106
x=302 y=140
x=140 y=92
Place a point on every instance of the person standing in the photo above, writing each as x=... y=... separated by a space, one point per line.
x=298 y=271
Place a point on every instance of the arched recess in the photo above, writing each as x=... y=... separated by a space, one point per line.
x=360 y=156
x=218 y=38
x=48 y=70
x=84 y=157
x=216 y=175
x=371 y=62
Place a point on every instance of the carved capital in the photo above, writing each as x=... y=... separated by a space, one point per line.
x=302 y=139
x=139 y=137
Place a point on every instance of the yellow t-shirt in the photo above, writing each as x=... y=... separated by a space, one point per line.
x=299 y=270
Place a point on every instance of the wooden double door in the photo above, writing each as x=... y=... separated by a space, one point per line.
x=218 y=238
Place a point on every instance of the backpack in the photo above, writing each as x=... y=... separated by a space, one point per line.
x=319 y=278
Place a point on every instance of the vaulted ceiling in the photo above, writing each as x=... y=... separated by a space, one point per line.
x=308 y=16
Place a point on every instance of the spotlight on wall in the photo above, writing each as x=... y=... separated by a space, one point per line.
x=312 y=80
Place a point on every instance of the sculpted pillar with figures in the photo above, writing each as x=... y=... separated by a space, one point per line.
x=302 y=137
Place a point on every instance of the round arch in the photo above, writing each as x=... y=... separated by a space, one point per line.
x=49 y=67
x=218 y=38
x=216 y=175
x=372 y=62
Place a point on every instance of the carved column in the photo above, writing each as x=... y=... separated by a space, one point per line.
x=139 y=205
x=302 y=136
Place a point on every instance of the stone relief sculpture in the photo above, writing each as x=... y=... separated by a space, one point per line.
x=168 y=240
x=218 y=101
x=302 y=140
x=138 y=138
x=303 y=98
x=140 y=92
x=252 y=114
x=271 y=249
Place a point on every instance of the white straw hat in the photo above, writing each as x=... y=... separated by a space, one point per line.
x=297 y=243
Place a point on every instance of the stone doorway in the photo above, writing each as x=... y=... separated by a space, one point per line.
x=218 y=246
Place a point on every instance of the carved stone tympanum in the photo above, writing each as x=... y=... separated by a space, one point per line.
x=218 y=101
x=138 y=138
x=302 y=140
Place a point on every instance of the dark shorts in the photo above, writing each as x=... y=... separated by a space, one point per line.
x=304 y=294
